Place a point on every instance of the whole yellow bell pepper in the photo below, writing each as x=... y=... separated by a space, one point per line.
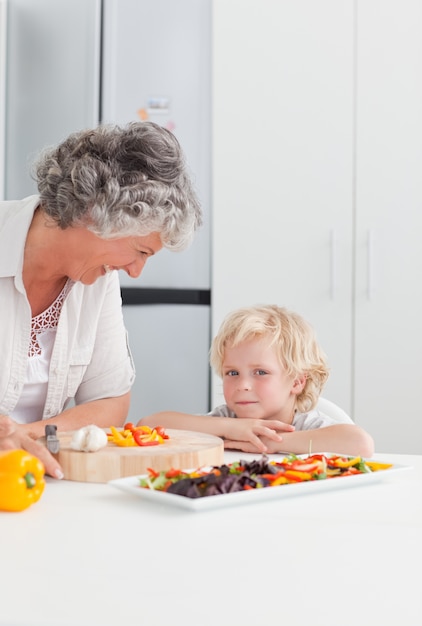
x=21 y=480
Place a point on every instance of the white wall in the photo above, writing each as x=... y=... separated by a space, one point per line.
x=3 y=17
x=317 y=195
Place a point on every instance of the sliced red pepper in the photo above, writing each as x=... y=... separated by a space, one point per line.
x=173 y=473
x=160 y=430
x=350 y=471
x=140 y=440
x=152 y=472
x=272 y=477
x=304 y=467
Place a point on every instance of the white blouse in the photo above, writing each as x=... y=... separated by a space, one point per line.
x=43 y=333
x=90 y=359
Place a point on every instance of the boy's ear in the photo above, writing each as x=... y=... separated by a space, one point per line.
x=298 y=384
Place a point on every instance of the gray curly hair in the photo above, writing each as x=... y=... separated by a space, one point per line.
x=120 y=181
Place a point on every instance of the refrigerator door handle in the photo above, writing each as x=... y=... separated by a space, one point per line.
x=157 y=295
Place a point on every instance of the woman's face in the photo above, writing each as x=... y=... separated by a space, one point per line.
x=93 y=256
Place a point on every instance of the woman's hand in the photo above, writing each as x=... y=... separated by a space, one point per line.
x=12 y=436
x=249 y=435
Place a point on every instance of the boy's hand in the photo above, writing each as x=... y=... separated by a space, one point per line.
x=245 y=434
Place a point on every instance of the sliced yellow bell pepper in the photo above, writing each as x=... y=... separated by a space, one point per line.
x=137 y=436
x=122 y=438
x=349 y=463
x=145 y=429
x=281 y=480
x=375 y=466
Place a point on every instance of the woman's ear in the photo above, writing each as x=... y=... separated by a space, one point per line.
x=298 y=384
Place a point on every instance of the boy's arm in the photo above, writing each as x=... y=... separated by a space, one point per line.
x=248 y=432
x=347 y=439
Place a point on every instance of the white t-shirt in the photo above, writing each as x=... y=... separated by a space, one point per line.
x=301 y=421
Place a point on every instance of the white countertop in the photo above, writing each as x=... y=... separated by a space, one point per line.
x=88 y=555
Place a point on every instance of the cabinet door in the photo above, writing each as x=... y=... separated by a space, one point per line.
x=53 y=80
x=282 y=167
x=388 y=364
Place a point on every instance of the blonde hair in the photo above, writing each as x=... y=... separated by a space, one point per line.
x=294 y=339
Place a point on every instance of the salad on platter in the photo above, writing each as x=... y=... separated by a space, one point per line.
x=256 y=474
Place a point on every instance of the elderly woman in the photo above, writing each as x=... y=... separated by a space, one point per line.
x=109 y=199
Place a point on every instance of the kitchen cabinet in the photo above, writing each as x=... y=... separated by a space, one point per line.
x=317 y=150
x=388 y=223
x=283 y=166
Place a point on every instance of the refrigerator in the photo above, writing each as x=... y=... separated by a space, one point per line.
x=70 y=64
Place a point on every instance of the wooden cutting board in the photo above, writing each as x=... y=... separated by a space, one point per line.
x=183 y=450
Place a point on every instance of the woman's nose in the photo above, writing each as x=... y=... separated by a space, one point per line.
x=135 y=268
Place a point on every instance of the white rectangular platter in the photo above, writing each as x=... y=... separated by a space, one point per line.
x=130 y=485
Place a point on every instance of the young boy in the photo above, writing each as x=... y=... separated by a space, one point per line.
x=273 y=372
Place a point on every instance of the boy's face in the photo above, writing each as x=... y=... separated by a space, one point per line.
x=255 y=384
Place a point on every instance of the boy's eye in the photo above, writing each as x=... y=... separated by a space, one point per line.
x=232 y=373
x=260 y=372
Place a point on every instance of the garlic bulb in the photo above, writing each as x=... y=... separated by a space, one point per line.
x=89 y=439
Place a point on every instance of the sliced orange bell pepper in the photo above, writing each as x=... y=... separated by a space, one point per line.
x=297 y=476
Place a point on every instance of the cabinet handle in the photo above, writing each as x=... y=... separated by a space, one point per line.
x=370 y=246
x=333 y=251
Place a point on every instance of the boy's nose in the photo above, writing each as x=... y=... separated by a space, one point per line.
x=244 y=384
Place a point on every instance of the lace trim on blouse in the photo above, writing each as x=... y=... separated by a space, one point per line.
x=47 y=320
